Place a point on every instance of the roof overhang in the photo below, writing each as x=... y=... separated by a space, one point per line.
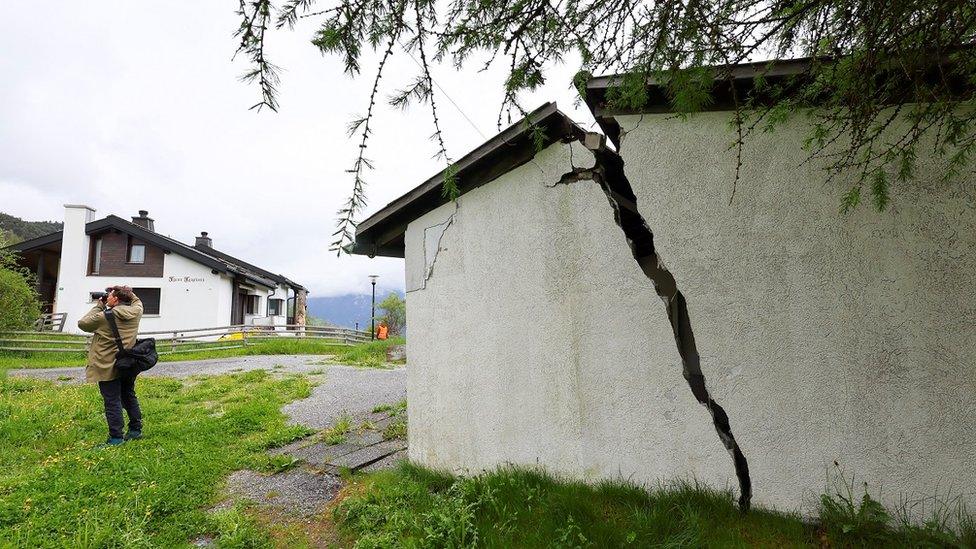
x=36 y=243
x=267 y=275
x=382 y=233
x=734 y=85
x=730 y=81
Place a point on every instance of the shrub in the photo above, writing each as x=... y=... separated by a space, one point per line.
x=19 y=305
x=394 y=313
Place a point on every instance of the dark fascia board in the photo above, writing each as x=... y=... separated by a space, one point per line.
x=231 y=259
x=382 y=233
x=174 y=246
x=741 y=77
x=36 y=243
x=738 y=81
x=156 y=239
x=267 y=283
x=295 y=285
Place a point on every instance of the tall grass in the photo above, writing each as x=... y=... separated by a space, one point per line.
x=370 y=354
x=57 y=491
x=517 y=507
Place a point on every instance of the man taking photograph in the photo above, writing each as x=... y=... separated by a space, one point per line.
x=118 y=390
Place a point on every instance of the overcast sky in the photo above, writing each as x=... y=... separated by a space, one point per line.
x=137 y=105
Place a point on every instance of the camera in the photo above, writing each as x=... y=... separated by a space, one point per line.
x=99 y=296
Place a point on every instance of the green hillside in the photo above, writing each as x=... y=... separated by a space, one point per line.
x=14 y=229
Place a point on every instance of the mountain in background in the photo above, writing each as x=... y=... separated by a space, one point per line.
x=346 y=310
x=14 y=229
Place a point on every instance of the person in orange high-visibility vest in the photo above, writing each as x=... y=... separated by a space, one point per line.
x=382 y=331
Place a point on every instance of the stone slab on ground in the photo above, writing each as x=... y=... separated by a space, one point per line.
x=388 y=462
x=299 y=491
x=367 y=438
x=355 y=461
x=336 y=451
x=303 y=450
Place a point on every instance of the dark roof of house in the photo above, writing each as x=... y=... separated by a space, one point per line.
x=382 y=233
x=739 y=78
x=35 y=243
x=206 y=256
x=229 y=258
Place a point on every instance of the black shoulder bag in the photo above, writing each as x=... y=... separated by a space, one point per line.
x=141 y=357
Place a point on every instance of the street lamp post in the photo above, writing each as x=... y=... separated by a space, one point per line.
x=372 y=318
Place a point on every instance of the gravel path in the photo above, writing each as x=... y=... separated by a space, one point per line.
x=348 y=390
x=340 y=389
x=299 y=491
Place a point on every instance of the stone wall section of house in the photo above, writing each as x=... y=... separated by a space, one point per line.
x=827 y=337
x=301 y=307
x=115 y=257
x=535 y=339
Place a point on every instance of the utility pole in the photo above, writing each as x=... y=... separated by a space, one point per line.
x=372 y=317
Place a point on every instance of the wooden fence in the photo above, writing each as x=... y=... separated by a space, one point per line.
x=50 y=322
x=186 y=341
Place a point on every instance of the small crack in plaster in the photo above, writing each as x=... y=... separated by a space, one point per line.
x=429 y=264
x=623 y=133
x=609 y=174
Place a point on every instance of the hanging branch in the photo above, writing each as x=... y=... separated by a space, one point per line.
x=346 y=225
x=449 y=188
x=867 y=59
x=255 y=16
x=289 y=13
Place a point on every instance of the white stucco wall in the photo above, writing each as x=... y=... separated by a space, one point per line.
x=536 y=338
x=190 y=295
x=281 y=292
x=827 y=337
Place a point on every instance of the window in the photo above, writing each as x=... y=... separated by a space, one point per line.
x=275 y=307
x=97 y=256
x=252 y=304
x=150 y=300
x=137 y=252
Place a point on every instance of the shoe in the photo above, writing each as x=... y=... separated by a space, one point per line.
x=133 y=435
x=111 y=442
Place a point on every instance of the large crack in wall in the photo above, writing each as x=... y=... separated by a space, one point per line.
x=608 y=173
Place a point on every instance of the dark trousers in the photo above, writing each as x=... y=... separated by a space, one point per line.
x=118 y=394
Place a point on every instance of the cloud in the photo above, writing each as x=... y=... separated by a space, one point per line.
x=140 y=107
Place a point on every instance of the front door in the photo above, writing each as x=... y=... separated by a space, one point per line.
x=237 y=311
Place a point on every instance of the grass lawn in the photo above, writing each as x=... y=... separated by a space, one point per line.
x=415 y=507
x=370 y=354
x=57 y=491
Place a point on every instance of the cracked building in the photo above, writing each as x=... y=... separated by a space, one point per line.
x=615 y=315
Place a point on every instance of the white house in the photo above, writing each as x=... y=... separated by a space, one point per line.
x=181 y=286
x=538 y=334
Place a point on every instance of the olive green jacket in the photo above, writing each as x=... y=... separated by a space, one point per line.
x=101 y=354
